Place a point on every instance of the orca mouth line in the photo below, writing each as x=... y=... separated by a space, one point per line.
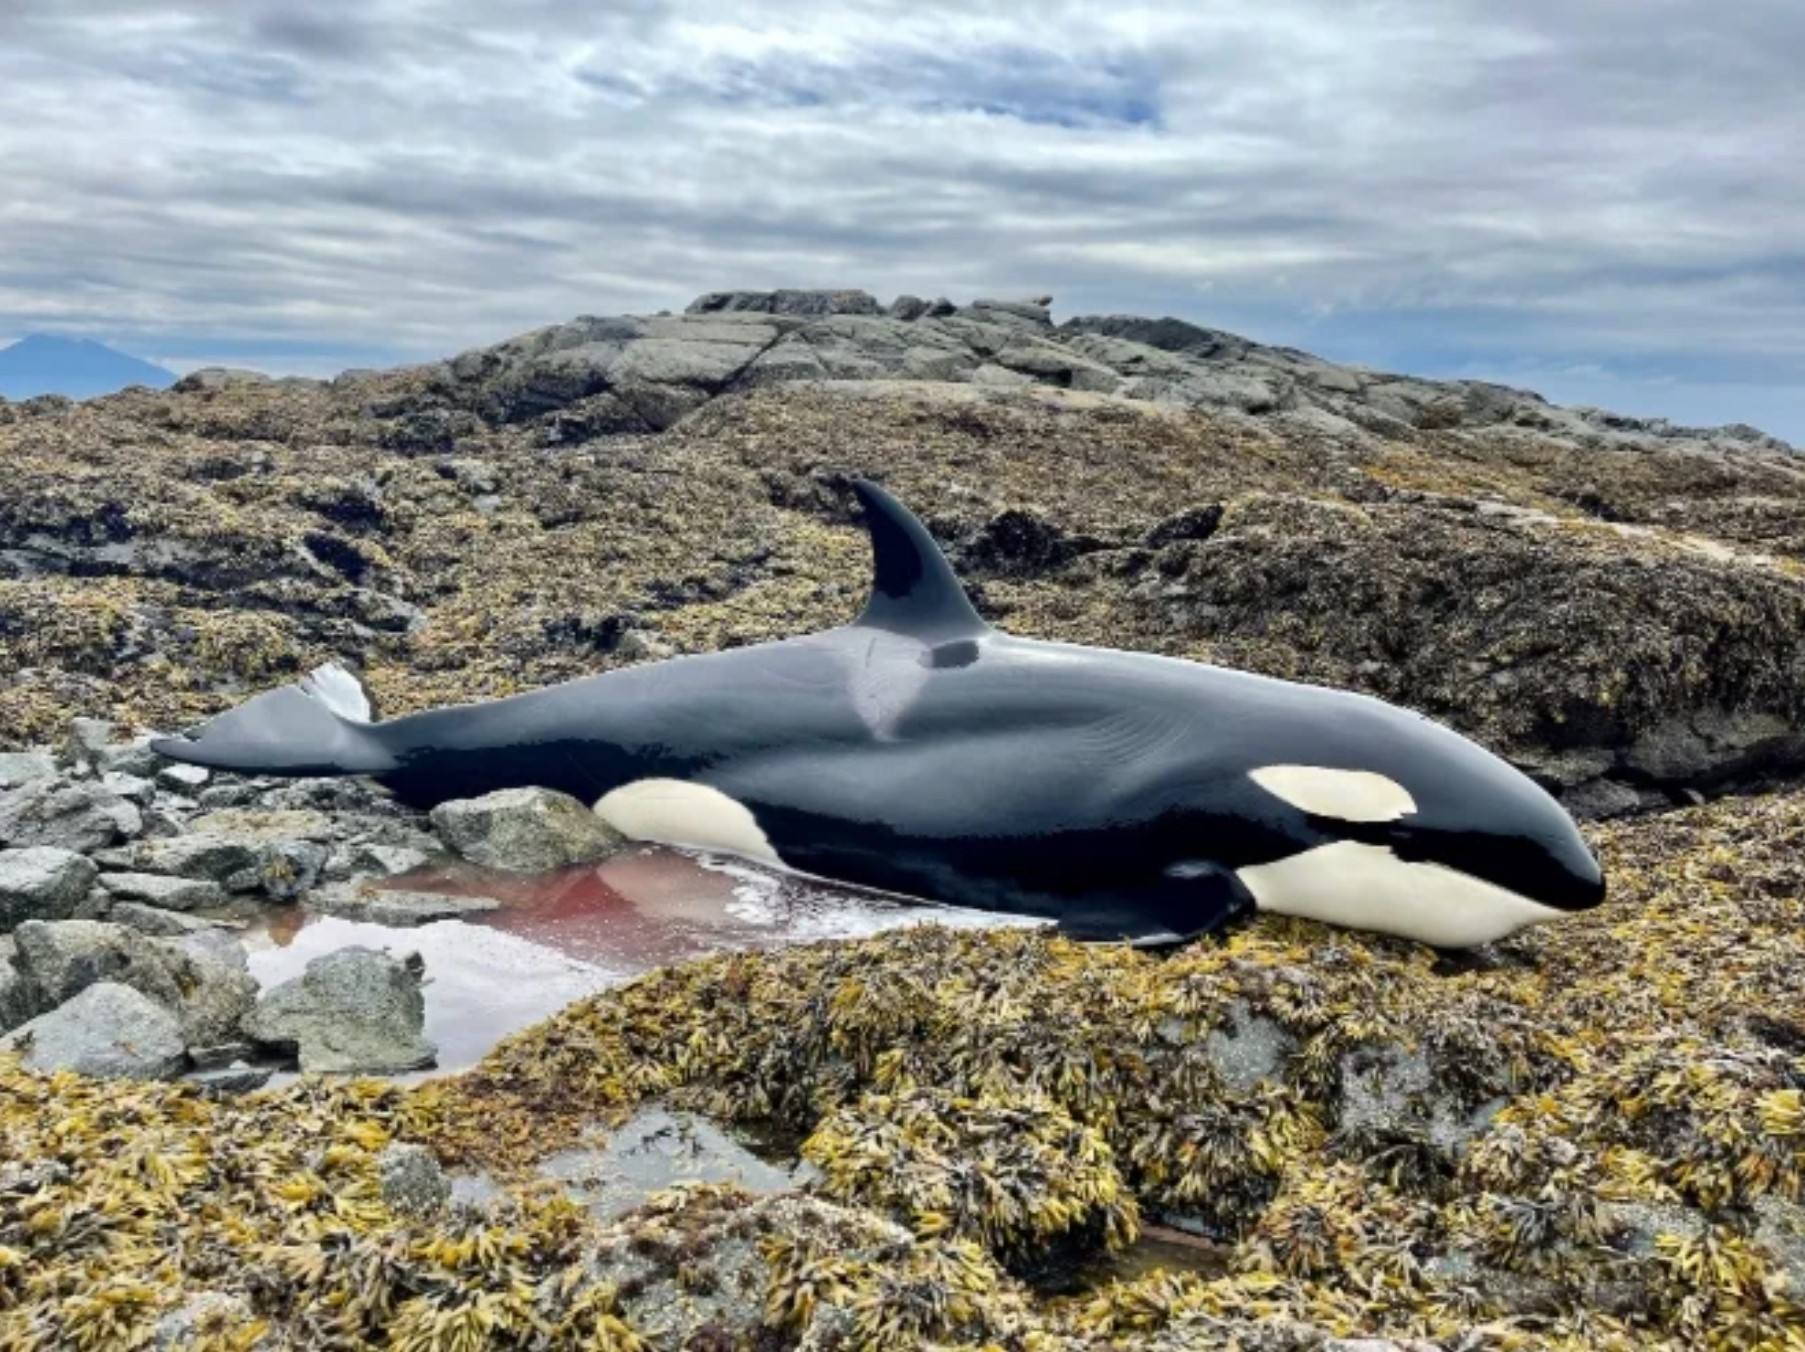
x=1567 y=880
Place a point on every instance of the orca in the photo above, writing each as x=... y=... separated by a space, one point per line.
x=919 y=751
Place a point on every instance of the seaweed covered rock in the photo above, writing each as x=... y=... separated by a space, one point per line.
x=1025 y=1180
x=656 y=1149
x=1587 y=1137
x=1344 y=1114
x=163 y=553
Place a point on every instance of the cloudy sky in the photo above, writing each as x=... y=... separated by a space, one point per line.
x=1603 y=199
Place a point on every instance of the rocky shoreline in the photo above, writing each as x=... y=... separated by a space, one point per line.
x=1588 y=1136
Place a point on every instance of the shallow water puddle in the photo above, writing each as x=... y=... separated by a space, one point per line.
x=560 y=936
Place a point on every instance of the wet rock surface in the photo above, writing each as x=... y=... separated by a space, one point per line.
x=657 y=1149
x=524 y=830
x=353 y=1011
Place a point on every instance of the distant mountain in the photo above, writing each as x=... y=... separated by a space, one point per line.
x=77 y=367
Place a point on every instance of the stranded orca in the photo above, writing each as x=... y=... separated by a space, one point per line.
x=919 y=751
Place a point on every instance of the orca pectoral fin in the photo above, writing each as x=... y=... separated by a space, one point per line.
x=1205 y=900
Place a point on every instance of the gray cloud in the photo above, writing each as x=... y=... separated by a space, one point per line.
x=1442 y=183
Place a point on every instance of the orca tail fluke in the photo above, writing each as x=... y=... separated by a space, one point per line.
x=318 y=726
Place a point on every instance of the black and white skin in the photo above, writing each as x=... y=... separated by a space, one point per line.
x=919 y=751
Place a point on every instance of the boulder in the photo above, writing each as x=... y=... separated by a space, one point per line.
x=286 y=869
x=21 y=767
x=266 y=826
x=132 y=788
x=79 y=815
x=162 y=890
x=210 y=378
x=108 y=1030
x=186 y=779
x=378 y=906
x=207 y=994
x=354 y=1011
x=134 y=758
x=86 y=742
x=216 y=945
x=62 y=958
x=19 y=999
x=239 y=1079
x=157 y=922
x=200 y=855
x=42 y=883
x=1031 y=315
x=525 y=830
x=383 y=860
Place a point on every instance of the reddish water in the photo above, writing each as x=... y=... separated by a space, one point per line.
x=560 y=936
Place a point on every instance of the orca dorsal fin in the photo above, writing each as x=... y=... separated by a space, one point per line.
x=914 y=590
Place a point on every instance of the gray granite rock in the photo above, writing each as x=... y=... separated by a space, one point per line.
x=164 y=891
x=1391 y=1093
x=1248 y=1048
x=85 y=744
x=1780 y=1229
x=206 y=993
x=376 y=859
x=267 y=825
x=525 y=830
x=184 y=779
x=76 y=815
x=211 y=378
x=380 y=906
x=160 y=923
x=200 y=855
x=207 y=1319
x=231 y=1079
x=19 y=999
x=108 y=1030
x=133 y=758
x=354 y=1011
x=805 y=303
x=42 y=883
x=132 y=788
x=22 y=767
x=288 y=869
